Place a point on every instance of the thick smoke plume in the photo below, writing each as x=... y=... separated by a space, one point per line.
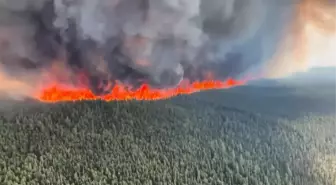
x=309 y=41
x=94 y=43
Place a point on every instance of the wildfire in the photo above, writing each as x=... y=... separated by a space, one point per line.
x=56 y=92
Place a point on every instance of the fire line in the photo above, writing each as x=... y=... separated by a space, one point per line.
x=57 y=93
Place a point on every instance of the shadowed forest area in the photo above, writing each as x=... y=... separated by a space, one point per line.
x=250 y=135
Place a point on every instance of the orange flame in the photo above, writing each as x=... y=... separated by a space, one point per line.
x=56 y=92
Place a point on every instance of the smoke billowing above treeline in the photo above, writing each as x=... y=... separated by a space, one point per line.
x=158 y=42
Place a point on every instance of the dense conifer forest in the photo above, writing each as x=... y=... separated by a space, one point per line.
x=242 y=136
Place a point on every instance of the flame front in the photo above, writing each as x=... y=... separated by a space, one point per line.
x=57 y=92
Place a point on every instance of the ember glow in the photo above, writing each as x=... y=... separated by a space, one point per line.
x=56 y=92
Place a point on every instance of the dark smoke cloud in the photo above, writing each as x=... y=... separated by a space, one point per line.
x=159 y=42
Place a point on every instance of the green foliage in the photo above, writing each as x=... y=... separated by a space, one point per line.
x=181 y=141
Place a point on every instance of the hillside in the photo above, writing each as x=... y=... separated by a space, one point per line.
x=243 y=136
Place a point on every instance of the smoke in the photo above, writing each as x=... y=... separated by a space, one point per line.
x=309 y=40
x=157 y=42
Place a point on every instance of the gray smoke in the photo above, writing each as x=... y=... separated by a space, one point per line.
x=159 y=42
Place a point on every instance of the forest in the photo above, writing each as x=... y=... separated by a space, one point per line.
x=242 y=136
